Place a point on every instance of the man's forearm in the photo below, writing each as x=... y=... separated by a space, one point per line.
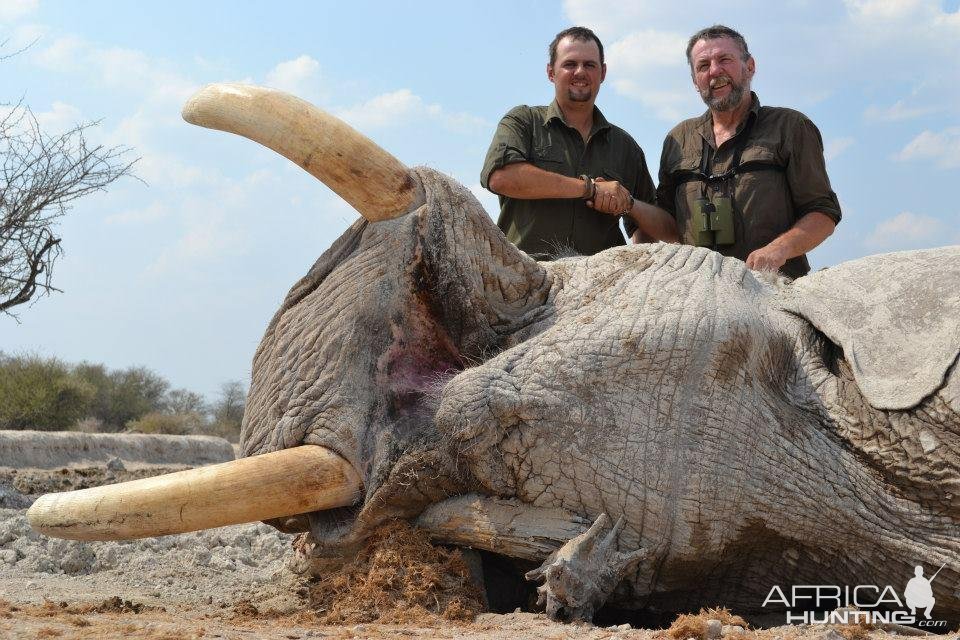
x=524 y=181
x=654 y=221
x=804 y=236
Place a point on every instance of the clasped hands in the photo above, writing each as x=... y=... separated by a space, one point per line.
x=610 y=197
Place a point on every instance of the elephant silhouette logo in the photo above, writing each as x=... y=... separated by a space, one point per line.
x=918 y=592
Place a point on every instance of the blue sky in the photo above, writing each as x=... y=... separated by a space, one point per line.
x=182 y=274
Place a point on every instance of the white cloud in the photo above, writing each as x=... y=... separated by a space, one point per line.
x=24 y=36
x=62 y=54
x=207 y=241
x=948 y=21
x=833 y=148
x=59 y=119
x=642 y=50
x=135 y=71
x=404 y=107
x=169 y=171
x=649 y=66
x=942 y=147
x=610 y=18
x=298 y=76
x=884 y=9
x=151 y=213
x=207 y=235
x=899 y=110
x=116 y=68
x=11 y=10
x=907 y=230
x=668 y=105
x=922 y=24
x=223 y=220
x=386 y=110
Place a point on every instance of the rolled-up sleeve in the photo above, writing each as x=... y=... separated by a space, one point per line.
x=511 y=143
x=807 y=174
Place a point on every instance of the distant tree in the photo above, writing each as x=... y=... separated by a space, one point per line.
x=41 y=174
x=184 y=413
x=97 y=376
x=227 y=410
x=184 y=401
x=122 y=395
x=135 y=392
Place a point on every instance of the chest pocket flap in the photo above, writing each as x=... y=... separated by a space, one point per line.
x=549 y=154
x=758 y=153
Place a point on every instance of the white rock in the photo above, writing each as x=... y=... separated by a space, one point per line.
x=714 y=629
x=8 y=556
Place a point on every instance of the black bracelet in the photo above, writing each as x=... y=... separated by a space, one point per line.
x=629 y=208
x=589 y=187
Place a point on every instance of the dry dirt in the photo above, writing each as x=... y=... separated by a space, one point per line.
x=235 y=582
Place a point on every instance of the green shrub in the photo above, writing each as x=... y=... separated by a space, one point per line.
x=123 y=395
x=178 y=424
x=41 y=393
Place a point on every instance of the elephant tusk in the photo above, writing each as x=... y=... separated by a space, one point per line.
x=283 y=483
x=371 y=180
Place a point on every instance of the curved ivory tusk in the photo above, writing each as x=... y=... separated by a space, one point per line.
x=283 y=483
x=375 y=183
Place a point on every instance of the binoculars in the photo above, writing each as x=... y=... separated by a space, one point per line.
x=713 y=222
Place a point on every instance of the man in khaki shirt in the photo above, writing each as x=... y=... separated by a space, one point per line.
x=747 y=180
x=564 y=174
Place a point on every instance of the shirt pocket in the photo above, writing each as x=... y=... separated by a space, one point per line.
x=549 y=157
x=758 y=184
x=689 y=160
x=760 y=153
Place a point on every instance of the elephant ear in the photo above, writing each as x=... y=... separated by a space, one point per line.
x=896 y=316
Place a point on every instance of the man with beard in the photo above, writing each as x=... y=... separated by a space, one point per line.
x=563 y=173
x=746 y=180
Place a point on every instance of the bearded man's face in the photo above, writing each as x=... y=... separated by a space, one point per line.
x=721 y=75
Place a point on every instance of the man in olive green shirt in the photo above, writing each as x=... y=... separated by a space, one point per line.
x=764 y=165
x=563 y=173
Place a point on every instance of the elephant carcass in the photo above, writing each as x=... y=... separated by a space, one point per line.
x=664 y=384
x=748 y=431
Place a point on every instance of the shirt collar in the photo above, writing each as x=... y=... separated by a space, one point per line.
x=705 y=123
x=554 y=113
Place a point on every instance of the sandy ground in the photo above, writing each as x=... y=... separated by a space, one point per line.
x=233 y=582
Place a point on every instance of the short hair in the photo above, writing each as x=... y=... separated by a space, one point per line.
x=575 y=33
x=714 y=32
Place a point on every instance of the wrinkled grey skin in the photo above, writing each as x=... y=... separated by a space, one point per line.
x=661 y=383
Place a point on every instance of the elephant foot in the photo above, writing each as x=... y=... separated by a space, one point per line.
x=580 y=576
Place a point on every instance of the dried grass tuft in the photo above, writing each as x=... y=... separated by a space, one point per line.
x=694 y=625
x=397 y=578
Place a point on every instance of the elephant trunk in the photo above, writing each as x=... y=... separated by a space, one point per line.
x=283 y=483
x=371 y=180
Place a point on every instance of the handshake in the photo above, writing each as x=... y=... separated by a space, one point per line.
x=607 y=196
